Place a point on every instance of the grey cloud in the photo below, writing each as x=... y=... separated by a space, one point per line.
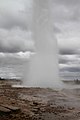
x=56 y=29
x=69 y=66
x=9 y=23
x=66 y=22
x=15 y=13
x=67 y=51
x=71 y=69
x=68 y=2
x=66 y=10
x=15 y=40
x=67 y=17
x=68 y=59
x=63 y=61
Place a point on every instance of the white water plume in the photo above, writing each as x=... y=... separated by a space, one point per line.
x=43 y=66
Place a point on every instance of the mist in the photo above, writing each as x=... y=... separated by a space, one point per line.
x=43 y=65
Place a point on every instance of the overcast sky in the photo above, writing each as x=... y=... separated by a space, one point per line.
x=15 y=35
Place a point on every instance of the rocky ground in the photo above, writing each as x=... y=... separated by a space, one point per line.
x=38 y=103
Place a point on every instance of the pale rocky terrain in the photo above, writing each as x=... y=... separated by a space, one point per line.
x=38 y=103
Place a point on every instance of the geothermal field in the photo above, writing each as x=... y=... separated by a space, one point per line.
x=18 y=103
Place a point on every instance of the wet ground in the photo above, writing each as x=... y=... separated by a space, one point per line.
x=38 y=103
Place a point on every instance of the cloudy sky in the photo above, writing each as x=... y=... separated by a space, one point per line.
x=15 y=35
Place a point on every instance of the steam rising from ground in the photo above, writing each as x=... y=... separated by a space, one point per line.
x=43 y=66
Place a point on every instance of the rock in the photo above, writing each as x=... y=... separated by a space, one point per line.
x=5 y=86
x=35 y=103
x=42 y=109
x=4 y=110
x=11 y=108
x=34 y=110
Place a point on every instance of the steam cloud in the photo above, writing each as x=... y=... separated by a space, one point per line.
x=43 y=66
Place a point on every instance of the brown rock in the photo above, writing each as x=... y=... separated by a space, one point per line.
x=4 y=110
x=11 y=108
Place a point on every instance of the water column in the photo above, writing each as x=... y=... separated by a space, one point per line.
x=43 y=65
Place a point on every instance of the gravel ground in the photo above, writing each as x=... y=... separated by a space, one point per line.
x=39 y=103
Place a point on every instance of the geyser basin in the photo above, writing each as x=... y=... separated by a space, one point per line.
x=43 y=66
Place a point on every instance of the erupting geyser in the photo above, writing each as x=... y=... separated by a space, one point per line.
x=43 y=66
